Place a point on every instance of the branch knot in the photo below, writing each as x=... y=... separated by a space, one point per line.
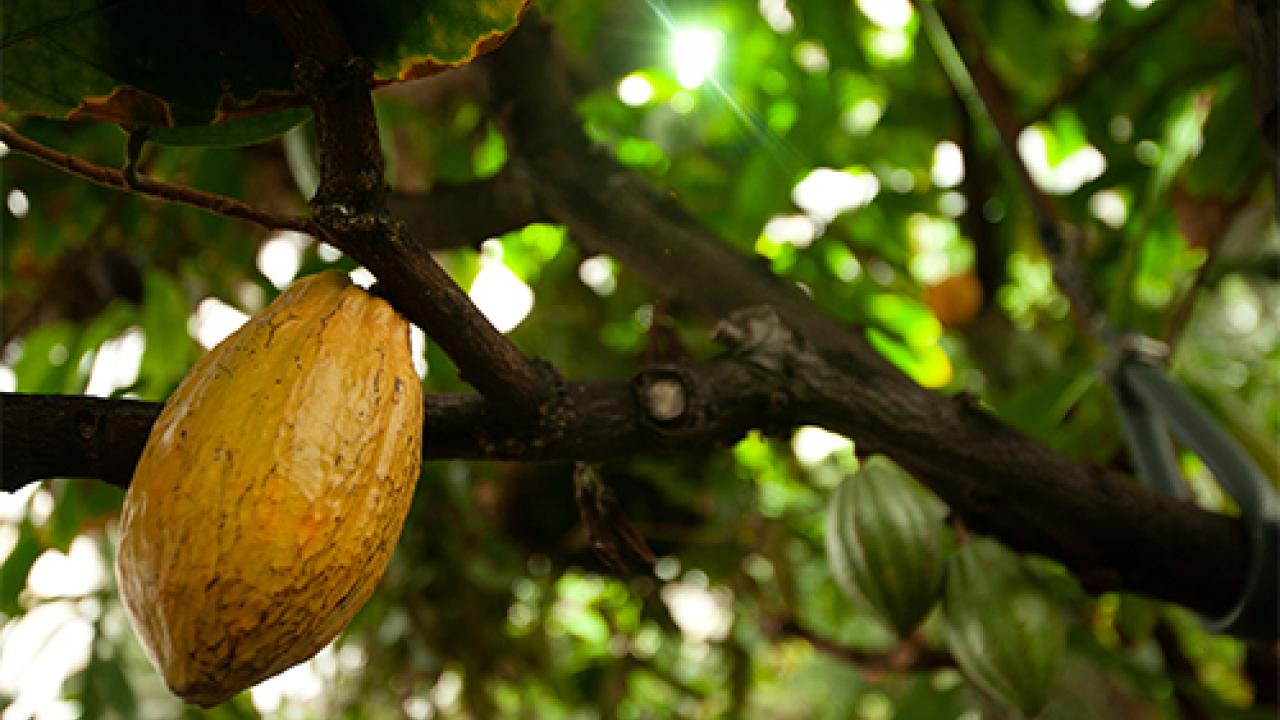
x=759 y=336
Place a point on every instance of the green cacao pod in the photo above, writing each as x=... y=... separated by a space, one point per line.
x=888 y=544
x=272 y=490
x=1005 y=633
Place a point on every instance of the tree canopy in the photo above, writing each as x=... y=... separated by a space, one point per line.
x=677 y=271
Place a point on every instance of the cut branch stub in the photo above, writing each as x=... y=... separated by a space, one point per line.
x=666 y=400
x=671 y=399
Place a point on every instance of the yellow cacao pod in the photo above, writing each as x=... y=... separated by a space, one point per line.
x=272 y=490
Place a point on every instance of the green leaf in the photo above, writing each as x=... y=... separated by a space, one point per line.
x=246 y=131
x=491 y=155
x=928 y=365
x=908 y=318
x=112 y=321
x=1229 y=167
x=106 y=690
x=156 y=65
x=64 y=522
x=76 y=504
x=925 y=700
x=13 y=573
x=164 y=324
x=1039 y=408
x=1067 y=136
x=45 y=362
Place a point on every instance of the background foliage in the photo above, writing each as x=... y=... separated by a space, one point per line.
x=494 y=605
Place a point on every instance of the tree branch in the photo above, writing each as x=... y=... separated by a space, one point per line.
x=1181 y=315
x=906 y=657
x=998 y=480
x=464 y=215
x=1182 y=670
x=1103 y=59
x=1108 y=529
x=350 y=205
x=1258 y=27
x=44 y=436
x=112 y=178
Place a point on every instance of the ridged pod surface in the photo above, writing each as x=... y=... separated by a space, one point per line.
x=1005 y=633
x=887 y=543
x=272 y=490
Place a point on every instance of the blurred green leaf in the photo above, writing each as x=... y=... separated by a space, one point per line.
x=106 y=691
x=78 y=503
x=13 y=573
x=168 y=348
x=45 y=361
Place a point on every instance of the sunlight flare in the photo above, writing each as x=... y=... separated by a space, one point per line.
x=694 y=54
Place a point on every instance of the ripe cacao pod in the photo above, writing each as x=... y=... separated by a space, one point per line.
x=1007 y=636
x=955 y=300
x=272 y=490
x=887 y=543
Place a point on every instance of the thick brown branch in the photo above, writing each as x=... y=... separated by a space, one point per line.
x=350 y=205
x=1108 y=529
x=45 y=436
x=465 y=215
x=417 y=286
x=998 y=480
x=410 y=278
x=337 y=86
x=112 y=178
x=1258 y=26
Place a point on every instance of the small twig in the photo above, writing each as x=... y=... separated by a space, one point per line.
x=988 y=102
x=1182 y=315
x=133 y=155
x=611 y=535
x=416 y=283
x=1103 y=59
x=113 y=178
x=905 y=657
x=1262 y=667
x=1179 y=666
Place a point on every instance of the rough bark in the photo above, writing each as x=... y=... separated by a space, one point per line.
x=1111 y=531
x=350 y=208
x=1258 y=26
